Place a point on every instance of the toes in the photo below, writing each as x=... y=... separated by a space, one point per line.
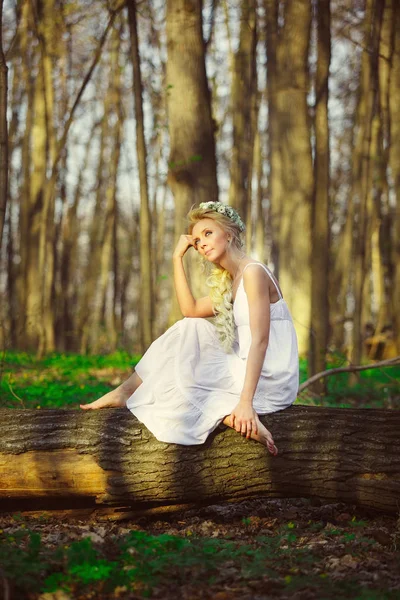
x=272 y=448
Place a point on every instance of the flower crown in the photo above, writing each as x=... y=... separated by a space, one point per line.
x=227 y=211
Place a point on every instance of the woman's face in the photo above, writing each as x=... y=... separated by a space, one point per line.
x=210 y=239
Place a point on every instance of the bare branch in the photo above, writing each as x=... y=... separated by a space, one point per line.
x=350 y=369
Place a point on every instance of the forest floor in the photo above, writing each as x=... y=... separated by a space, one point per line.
x=259 y=549
x=252 y=550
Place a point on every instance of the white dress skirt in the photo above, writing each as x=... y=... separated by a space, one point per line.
x=190 y=384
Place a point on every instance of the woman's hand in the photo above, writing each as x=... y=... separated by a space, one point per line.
x=184 y=242
x=243 y=419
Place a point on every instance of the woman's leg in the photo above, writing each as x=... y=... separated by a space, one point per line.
x=116 y=398
x=263 y=435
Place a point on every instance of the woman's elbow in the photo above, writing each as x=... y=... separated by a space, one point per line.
x=188 y=312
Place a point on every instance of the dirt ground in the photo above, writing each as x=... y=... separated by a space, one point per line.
x=323 y=550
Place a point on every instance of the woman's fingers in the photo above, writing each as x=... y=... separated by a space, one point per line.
x=244 y=427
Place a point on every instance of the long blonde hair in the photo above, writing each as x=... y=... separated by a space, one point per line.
x=218 y=279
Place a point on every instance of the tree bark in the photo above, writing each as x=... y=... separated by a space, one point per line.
x=244 y=88
x=99 y=327
x=394 y=105
x=50 y=458
x=297 y=170
x=192 y=174
x=3 y=131
x=320 y=209
x=275 y=179
x=146 y=266
x=363 y=164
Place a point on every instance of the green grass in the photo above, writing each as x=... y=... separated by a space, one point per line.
x=59 y=380
x=141 y=562
x=65 y=380
x=376 y=388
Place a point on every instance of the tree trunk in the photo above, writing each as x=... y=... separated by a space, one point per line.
x=363 y=165
x=395 y=168
x=320 y=212
x=39 y=160
x=43 y=17
x=297 y=168
x=244 y=88
x=71 y=458
x=106 y=242
x=67 y=325
x=378 y=243
x=261 y=217
x=3 y=131
x=192 y=175
x=146 y=288
x=89 y=295
x=275 y=180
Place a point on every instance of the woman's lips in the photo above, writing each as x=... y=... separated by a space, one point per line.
x=208 y=252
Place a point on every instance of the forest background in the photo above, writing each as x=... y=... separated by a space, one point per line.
x=121 y=115
x=115 y=117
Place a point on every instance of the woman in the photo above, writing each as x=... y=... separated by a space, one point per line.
x=199 y=374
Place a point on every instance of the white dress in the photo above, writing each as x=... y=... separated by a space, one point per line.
x=190 y=384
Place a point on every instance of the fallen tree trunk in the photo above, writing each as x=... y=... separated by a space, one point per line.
x=61 y=458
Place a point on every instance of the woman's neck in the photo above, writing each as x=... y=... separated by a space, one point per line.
x=232 y=262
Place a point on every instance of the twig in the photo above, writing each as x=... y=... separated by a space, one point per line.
x=15 y=395
x=350 y=369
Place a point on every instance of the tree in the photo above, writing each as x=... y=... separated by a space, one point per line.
x=108 y=457
x=275 y=181
x=395 y=168
x=146 y=264
x=108 y=236
x=243 y=95
x=3 y=130
x=320 y=208
x=363 y=167
x=293 y=230
x=192 y=175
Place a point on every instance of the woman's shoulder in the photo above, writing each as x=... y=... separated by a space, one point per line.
x=259 y=264
x=259 y=275
x=254 y=273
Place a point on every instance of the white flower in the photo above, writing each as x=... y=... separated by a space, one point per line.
x=228 y=211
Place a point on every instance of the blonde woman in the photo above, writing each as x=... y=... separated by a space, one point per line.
x=199 y=374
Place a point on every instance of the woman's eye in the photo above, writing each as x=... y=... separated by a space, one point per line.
x=207 y=232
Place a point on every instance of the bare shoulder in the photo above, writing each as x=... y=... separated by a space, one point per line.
x=254 y=270
x=255 y=277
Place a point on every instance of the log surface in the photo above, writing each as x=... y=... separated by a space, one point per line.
x=107 y=457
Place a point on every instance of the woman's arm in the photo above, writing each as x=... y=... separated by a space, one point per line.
x=256 y=285
x=189 y=306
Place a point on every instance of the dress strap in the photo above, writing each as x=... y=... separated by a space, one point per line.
x=269 y=275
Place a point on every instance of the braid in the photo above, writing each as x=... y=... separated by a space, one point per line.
x=218 y=279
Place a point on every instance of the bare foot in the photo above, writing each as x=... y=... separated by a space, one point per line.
x=116 y=398
x=264 y=436
x=110 y=400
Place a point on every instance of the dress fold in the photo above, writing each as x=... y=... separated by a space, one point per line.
x=190 y=383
